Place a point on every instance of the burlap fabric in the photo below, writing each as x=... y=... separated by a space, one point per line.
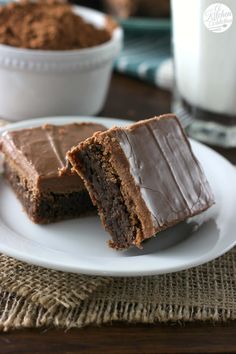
x=31 y=296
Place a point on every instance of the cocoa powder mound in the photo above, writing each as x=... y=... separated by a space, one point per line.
x=47 y=25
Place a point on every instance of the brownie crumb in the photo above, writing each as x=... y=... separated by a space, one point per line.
x=36 y=168
x=143 y=178
x=47 y=25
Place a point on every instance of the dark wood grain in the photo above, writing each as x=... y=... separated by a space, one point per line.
x=123 y=339
x=129 y=99
x=134 y=100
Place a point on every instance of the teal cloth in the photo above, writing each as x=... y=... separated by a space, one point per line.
x=147 y=53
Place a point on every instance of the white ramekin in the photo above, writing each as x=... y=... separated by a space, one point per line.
x=37 y=83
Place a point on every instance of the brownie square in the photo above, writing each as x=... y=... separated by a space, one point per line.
x=35 y=165
x=143 y=178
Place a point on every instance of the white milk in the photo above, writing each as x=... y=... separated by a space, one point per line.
x=205 y=61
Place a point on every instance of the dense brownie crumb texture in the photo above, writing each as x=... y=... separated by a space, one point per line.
x=47 y=25
x=143 y=178
x=35 y=166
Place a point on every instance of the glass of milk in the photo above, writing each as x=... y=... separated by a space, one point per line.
x=204 y=43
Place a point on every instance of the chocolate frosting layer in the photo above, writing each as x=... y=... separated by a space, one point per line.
x=162 y=163
x=40 y=153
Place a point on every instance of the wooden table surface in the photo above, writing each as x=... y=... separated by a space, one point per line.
x=134 y=100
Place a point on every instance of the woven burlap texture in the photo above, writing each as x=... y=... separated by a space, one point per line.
x=46 y=287
x=34 y=297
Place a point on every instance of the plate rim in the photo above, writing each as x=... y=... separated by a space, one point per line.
x=208 y=256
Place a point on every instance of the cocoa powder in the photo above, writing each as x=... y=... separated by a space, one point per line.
x=47 y=25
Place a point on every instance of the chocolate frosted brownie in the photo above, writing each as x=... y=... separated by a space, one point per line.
x=36 y=168
x=143 y=178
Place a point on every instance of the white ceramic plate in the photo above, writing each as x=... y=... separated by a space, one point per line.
x=80 y=245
